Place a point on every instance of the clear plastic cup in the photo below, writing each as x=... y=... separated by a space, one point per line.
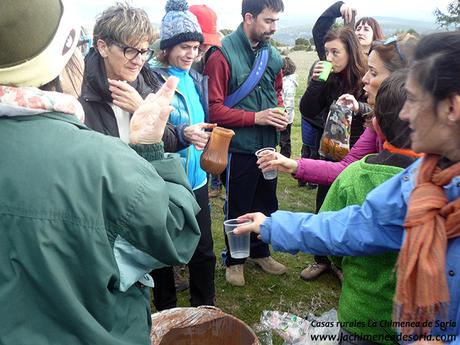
x=271 y=174
x=238 y=244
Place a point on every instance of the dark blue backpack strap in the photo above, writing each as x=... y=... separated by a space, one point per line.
x=258 y=70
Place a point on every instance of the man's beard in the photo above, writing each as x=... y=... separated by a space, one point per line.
x=261 y=37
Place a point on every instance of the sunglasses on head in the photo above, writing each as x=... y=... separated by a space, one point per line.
x=391 y=41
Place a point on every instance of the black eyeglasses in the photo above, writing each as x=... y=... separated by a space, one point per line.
x=388 y=42
x=131 y=53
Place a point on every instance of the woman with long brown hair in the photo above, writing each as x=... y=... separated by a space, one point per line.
x=385 y=58
x=348 y=68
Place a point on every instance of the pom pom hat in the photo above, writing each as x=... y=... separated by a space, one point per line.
x=37 y=39
x=178 y=25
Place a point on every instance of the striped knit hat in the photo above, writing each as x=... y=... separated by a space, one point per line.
x=178 y=25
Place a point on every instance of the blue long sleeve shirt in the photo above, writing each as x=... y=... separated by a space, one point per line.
x=372 y=228
x=188 y=110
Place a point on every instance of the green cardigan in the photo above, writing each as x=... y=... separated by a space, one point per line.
x=369 y=281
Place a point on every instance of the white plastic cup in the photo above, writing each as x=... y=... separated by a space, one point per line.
x=270 y=174
x=238 y=244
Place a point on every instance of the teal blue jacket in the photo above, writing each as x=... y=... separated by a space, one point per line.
x=183 y=116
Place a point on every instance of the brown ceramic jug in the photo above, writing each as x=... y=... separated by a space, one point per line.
x=214 y=158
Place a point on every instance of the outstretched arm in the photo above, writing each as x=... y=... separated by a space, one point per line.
x=373 y=228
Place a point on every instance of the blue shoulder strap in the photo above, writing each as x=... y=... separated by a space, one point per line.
x=258 y=70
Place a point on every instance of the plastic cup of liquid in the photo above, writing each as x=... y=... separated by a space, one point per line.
x=281 y=110
x=327 y=68
x=238 y=244
x=270 y=174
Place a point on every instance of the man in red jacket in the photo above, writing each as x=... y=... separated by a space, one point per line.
x=254 y=120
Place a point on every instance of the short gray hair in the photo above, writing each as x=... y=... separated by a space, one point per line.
x=123 y=24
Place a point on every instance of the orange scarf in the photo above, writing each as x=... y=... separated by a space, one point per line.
x=406 y=152
x=421 y=291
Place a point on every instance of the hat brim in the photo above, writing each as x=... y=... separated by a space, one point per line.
x=212 y=39
x=182 y=37
x=51 y=61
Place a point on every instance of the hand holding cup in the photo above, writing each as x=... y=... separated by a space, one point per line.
x=321 y=71
x=271 y=117
x=239 y=244
x=250 y=222
x=278 y=162
x=267 y=154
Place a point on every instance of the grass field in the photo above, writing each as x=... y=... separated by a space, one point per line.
x=287 y=293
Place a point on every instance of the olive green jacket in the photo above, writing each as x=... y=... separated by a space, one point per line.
x=83 y=218
x=240 y=56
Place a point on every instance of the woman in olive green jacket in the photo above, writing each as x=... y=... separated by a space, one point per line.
x=83 y=216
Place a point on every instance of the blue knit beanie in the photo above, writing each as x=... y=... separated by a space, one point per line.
x=178 y=25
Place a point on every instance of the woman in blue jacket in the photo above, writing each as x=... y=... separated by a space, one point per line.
x=417 y=212
x=180 y=40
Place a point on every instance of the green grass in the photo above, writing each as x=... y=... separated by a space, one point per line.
x=287 y=293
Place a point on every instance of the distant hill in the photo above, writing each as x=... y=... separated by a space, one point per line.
x=287 y=34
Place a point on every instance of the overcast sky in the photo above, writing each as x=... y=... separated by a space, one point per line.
x=228 y=11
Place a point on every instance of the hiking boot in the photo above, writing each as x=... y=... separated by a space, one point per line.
x=215 y=192
x=269 y=265
x=180 y=278
x=234 y=275
x=314 y=270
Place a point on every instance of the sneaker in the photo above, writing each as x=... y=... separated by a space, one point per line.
x=314 y=270
x=311 y=185
x=269 y=265
x=180 y=278
x=215 y=192
x=234 y=275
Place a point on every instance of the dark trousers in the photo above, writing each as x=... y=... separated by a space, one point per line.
x=320 y=196
x=248 y=191
x=309 y=152
x=285 y=141
x=201 y=266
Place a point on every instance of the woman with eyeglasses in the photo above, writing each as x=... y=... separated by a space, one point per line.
x=415 y=213
x=368 y=282
x=116 y=82
x=180 y=39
